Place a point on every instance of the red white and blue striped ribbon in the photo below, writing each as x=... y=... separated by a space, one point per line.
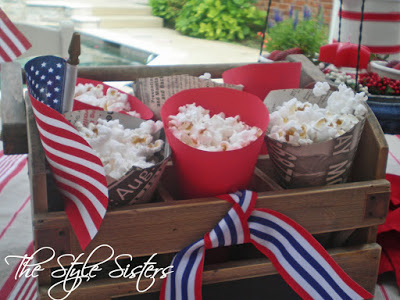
x=302 y=262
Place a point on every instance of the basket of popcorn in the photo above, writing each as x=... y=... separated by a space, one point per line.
x=313 y=135
x=260 y=79
x=134 y=152
x=215 y=135
x=95 y=95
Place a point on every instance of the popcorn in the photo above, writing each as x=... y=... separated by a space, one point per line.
x=321 y=89
x=194 y=126
x=302 y=123
x=338 y=77
x=119 y=148
x=112 y=101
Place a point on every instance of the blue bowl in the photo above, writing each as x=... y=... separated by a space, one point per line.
x=387 y=111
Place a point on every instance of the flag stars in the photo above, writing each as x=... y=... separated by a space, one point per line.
x=55 y=101
x=43 y=77
x=32 y=68
x=56 y=89
x=48 y=95
x=59 y=65
x=58 y=77
x=51 y=70
x=44 y=64
x=49 y=82
x=37 y=85
x=37 y=73
x=41 y=90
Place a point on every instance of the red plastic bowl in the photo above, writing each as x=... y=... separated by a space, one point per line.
x=136 y=104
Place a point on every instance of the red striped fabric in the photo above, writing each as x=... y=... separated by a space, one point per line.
x=20 y=288
x=370 y=16
x=380 y=49
x=12 y=42
x=78 y=172
x=3 y=232
x=10 y=165
x=384 y=292
x=384 y=49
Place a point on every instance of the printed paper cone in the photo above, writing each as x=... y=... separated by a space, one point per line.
x=316 y=164
x=136 y=104
x=202 y=173
x=137 y=185
x=260 y=79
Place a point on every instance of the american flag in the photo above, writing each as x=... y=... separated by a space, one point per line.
x=78 y=172
x=45 y=76
x=12 y=42
x=302 y=262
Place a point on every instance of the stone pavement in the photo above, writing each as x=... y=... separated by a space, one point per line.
x=173 y=48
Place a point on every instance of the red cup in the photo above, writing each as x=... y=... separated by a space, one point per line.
x=260 y=79
x=203 y=173
x=136 y=104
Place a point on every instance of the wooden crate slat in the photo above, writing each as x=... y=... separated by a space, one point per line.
x=372 y=152
x=176 y=225
x=129 y=73
x=351 y=259
x=310 y=74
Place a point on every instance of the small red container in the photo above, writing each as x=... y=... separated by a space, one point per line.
x=136 y=104
x=203 y=173
x=260 y=79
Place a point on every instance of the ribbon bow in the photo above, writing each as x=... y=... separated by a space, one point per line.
x=302 y=262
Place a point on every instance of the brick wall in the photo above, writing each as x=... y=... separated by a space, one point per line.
x=284 y=6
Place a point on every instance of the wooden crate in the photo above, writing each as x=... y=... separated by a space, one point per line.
x=344 y=218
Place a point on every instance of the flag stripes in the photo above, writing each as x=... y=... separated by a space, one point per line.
x=12 y=42
x=78 y=172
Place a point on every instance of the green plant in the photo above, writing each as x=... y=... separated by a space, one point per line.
x=308 y=34
x=226 y=20
x=167 y=9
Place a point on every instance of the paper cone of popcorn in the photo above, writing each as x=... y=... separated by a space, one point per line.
x=138 y=184
x=316 y=164
x=203 y=173
x=260 y=79
x=135 y=103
